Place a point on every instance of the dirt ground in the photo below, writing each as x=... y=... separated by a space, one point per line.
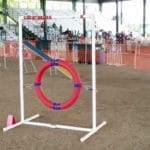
x=123 y=100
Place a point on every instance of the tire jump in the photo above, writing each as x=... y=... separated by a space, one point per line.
x=75 y=77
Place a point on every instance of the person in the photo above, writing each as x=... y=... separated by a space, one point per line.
x=42 y=24
x=54 y=25
x=60 y=29
x=131 y=34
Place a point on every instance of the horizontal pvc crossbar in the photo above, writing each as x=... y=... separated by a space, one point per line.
x=51 y=17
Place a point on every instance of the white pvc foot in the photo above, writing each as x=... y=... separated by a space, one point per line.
x=20 y=123
x=93 y=131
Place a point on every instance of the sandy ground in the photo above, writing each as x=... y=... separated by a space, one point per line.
x=123 y=100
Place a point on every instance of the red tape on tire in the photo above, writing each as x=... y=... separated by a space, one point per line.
x=76 y=80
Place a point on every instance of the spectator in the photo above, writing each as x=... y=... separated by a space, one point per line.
x=54 y=25
x=60 y=29
x=42 y=24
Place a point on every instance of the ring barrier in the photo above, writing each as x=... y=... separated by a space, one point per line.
x=76 y=80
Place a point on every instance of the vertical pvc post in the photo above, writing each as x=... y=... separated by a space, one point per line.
x=21 y=79
x=93 y=76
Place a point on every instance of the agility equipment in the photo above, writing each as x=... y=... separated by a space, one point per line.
x=76 y=81
x=28 y=121
x=142 y=56
x=114 y=55
x=10 y=120
x=44 y=56
x=65 y=72
x=29 y=65
x=3 y=54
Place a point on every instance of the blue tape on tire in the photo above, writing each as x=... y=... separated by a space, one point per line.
x=56 y=106
x=57 y=62
x=77 y=85
x=51 y=62
x=37 y=84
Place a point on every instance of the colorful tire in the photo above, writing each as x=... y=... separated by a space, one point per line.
x=76 y=80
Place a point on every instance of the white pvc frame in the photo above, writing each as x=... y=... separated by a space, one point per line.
x=114 y=56
x=90 y=131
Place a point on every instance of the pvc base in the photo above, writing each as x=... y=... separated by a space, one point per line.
x=28 y=121
x=93 y=131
